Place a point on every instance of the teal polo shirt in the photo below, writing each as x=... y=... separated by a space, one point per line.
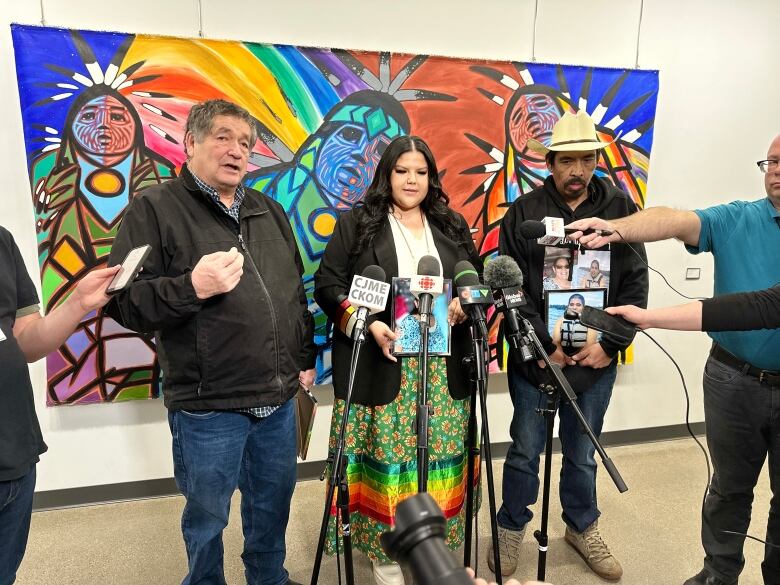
x=744 y=238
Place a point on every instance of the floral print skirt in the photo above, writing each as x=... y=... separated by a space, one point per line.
x=381 y=449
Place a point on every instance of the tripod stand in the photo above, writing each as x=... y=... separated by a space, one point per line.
x=477 y=363
x=559 y=388
x=338 y=478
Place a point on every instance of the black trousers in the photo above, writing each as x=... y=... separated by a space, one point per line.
x=743 y=429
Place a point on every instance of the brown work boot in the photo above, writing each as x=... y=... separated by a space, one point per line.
x=594 y=550
x=509 y=542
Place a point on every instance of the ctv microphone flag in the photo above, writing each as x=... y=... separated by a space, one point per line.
x=470 y=291
x=473 y=295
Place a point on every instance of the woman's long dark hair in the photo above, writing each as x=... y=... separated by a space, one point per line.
x=376 y=204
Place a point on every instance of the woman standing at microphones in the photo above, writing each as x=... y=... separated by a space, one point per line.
x=403 y=217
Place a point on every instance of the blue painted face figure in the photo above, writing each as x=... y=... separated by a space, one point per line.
x=104 y=129
x=346 y=163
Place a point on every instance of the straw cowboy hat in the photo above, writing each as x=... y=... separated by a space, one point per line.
x=572 y=133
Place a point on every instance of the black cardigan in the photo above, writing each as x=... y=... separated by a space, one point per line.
x=378 y=380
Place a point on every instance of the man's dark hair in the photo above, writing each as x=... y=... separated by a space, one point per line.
x=202 y=116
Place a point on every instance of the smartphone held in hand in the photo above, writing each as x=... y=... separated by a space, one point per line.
x=129 y=269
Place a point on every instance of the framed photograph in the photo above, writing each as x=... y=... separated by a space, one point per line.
x=570 y=334
x=406 y=320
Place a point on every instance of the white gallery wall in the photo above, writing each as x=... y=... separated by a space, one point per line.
x=717 y=112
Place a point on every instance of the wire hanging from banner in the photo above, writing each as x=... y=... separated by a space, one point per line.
x=639 y=31
x=533 y=36
x=200 y=18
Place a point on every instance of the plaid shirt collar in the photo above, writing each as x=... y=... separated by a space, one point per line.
x=238 y=199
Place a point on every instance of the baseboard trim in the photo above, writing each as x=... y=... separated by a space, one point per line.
x=157 y=488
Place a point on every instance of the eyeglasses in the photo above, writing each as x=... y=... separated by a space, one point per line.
x=561 y=266
x=767 y=165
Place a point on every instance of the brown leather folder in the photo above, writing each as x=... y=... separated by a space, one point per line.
x=305 y=411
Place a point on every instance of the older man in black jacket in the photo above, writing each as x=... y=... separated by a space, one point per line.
x=221 y=291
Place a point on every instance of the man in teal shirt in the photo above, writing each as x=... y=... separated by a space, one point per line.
x=741 y=375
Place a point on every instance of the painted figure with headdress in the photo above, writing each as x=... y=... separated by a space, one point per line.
x=81 y=188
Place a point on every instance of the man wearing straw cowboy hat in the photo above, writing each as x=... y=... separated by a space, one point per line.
x=570 y=192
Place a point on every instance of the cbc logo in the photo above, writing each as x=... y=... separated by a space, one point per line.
x=426 y=283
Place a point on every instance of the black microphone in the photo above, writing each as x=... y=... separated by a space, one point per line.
x=426 y=284
x=473 y=295
x=531 y=229
x=504 y=277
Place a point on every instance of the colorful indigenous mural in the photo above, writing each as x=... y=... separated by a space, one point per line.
x=104 y=116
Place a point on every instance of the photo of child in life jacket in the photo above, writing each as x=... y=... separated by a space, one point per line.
x=563 y=307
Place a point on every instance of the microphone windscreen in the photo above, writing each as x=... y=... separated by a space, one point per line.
x=532 y=229
x=428 y=266
x=465 y=274
x=374 y=272
x=503 y=272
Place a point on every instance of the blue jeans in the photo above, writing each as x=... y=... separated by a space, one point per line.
x=520 y=486
x=16 y=498
x=213 y=453
x=743 y=427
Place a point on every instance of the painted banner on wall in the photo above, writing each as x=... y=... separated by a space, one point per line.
x=104 y=115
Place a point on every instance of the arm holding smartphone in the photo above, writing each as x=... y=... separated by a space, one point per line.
x=685 y=317
x=734 y=312
x=38 y=335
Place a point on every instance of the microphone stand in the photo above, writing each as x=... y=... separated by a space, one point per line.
x=560 y=387
x=339 y=478
x=477 y=364
x=423 y=408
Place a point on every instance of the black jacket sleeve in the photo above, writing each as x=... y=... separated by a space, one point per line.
x=742 y=311
x=333 y=277
x=308 y=354
x=153 y=301
x=510 y=244
x=633 y=286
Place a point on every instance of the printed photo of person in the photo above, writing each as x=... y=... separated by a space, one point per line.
x=406 y=316
x=592 y=269
x=565 y=329
x=557 y=268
